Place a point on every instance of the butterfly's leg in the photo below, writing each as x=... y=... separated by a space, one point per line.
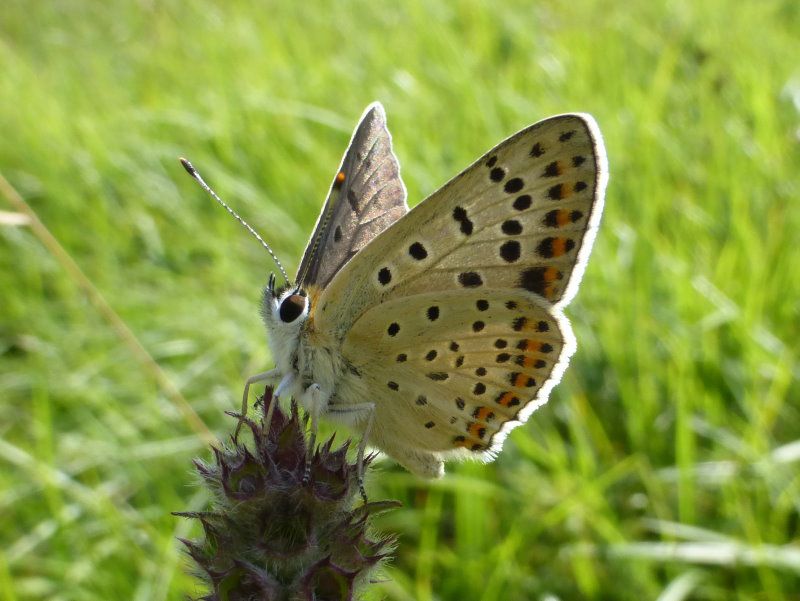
x=313 y=400
x=362 y=447
x=369 y=410
x=267 y=375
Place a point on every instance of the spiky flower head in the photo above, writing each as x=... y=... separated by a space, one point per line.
x=279 y=531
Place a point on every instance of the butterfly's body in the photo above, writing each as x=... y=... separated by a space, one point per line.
x=435 y=331
x=310 y=367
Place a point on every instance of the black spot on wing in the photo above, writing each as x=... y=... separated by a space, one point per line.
x=465 y=224
x=510 y=251
x=522 y=202
x=417 y=251
x=470 y=279
x=514 y=185
x=552 y=170
x=511 y=227
x=557 y=192
x=497 y=174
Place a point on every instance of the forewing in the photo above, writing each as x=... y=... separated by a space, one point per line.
x=457 y=370
x=366 y=197
x=521 y=217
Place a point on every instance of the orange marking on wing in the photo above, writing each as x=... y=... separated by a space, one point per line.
x=476 y=429
x=559 y=246
x=520 y=380
x=532 y=345
x=551 y=274
x=566 y=190
x=483 y=413
x=506 y=399
x=528 y=361
x=340 y=177
x=563 y=217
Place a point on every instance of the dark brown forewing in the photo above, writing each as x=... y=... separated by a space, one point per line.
x=366 y=197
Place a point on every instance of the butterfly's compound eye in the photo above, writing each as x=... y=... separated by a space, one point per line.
x=292 y=307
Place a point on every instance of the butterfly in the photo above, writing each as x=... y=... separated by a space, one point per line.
x=435 y=331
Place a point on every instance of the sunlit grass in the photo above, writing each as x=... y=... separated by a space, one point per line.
x=666 y=462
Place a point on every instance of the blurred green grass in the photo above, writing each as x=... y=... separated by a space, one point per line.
x=665 y=465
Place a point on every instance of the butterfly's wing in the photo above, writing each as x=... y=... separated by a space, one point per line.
x=366 y=197
x=460 y=301
x=454 y=370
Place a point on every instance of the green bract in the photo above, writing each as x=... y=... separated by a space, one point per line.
x=273 y=536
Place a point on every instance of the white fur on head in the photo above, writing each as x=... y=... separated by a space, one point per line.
x=284 y=312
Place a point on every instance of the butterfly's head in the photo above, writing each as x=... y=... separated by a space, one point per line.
x=285 y=310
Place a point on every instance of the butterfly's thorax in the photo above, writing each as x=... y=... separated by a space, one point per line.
x=320 y=360
x=310 y=355
x=318 y=357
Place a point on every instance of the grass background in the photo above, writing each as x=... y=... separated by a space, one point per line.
x=666 y=464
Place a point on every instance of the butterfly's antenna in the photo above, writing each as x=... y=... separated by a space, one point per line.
x=193 y=172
